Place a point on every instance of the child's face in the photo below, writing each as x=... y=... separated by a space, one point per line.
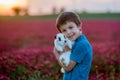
x=71 y=30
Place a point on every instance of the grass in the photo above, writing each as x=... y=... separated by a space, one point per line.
x=100 y=15
x=54 y=16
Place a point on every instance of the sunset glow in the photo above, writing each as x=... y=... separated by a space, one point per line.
x=7 y=5
x=12 y=3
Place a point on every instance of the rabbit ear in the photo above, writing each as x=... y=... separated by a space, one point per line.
x=55 y=37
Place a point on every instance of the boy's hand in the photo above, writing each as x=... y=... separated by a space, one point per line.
x=66 y=49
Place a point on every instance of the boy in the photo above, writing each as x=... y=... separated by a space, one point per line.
x=69 y=24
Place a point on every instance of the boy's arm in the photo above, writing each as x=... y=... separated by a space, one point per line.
x=70 y=66
x=71 y=63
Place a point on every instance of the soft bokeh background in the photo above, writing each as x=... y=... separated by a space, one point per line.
x=27 y=30
x=41 y=7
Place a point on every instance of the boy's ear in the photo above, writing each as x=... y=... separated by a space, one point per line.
x=80 y=28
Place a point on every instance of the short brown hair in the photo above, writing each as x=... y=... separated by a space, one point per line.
x=65 y=17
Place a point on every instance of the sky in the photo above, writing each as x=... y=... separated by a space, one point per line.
x=36 y=7
x=7 y=5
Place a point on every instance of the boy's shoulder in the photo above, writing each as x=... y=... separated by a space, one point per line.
x=81 y=38
x=81 y=41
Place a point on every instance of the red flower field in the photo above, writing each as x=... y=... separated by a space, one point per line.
x=26 y=49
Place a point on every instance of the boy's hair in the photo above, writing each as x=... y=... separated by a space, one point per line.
x=65 y=17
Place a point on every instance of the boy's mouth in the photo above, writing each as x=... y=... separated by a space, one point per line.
x=70 y=36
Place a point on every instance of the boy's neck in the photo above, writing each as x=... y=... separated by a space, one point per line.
x=80 y=33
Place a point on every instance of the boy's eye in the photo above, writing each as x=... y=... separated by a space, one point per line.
x=70 y=27
x=63 y=30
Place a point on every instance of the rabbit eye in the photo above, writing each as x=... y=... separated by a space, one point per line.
x=59 y=39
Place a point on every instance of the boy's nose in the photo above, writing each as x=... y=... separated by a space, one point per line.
x=68 y=31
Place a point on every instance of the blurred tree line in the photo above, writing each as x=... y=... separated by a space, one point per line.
x=20 y=11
